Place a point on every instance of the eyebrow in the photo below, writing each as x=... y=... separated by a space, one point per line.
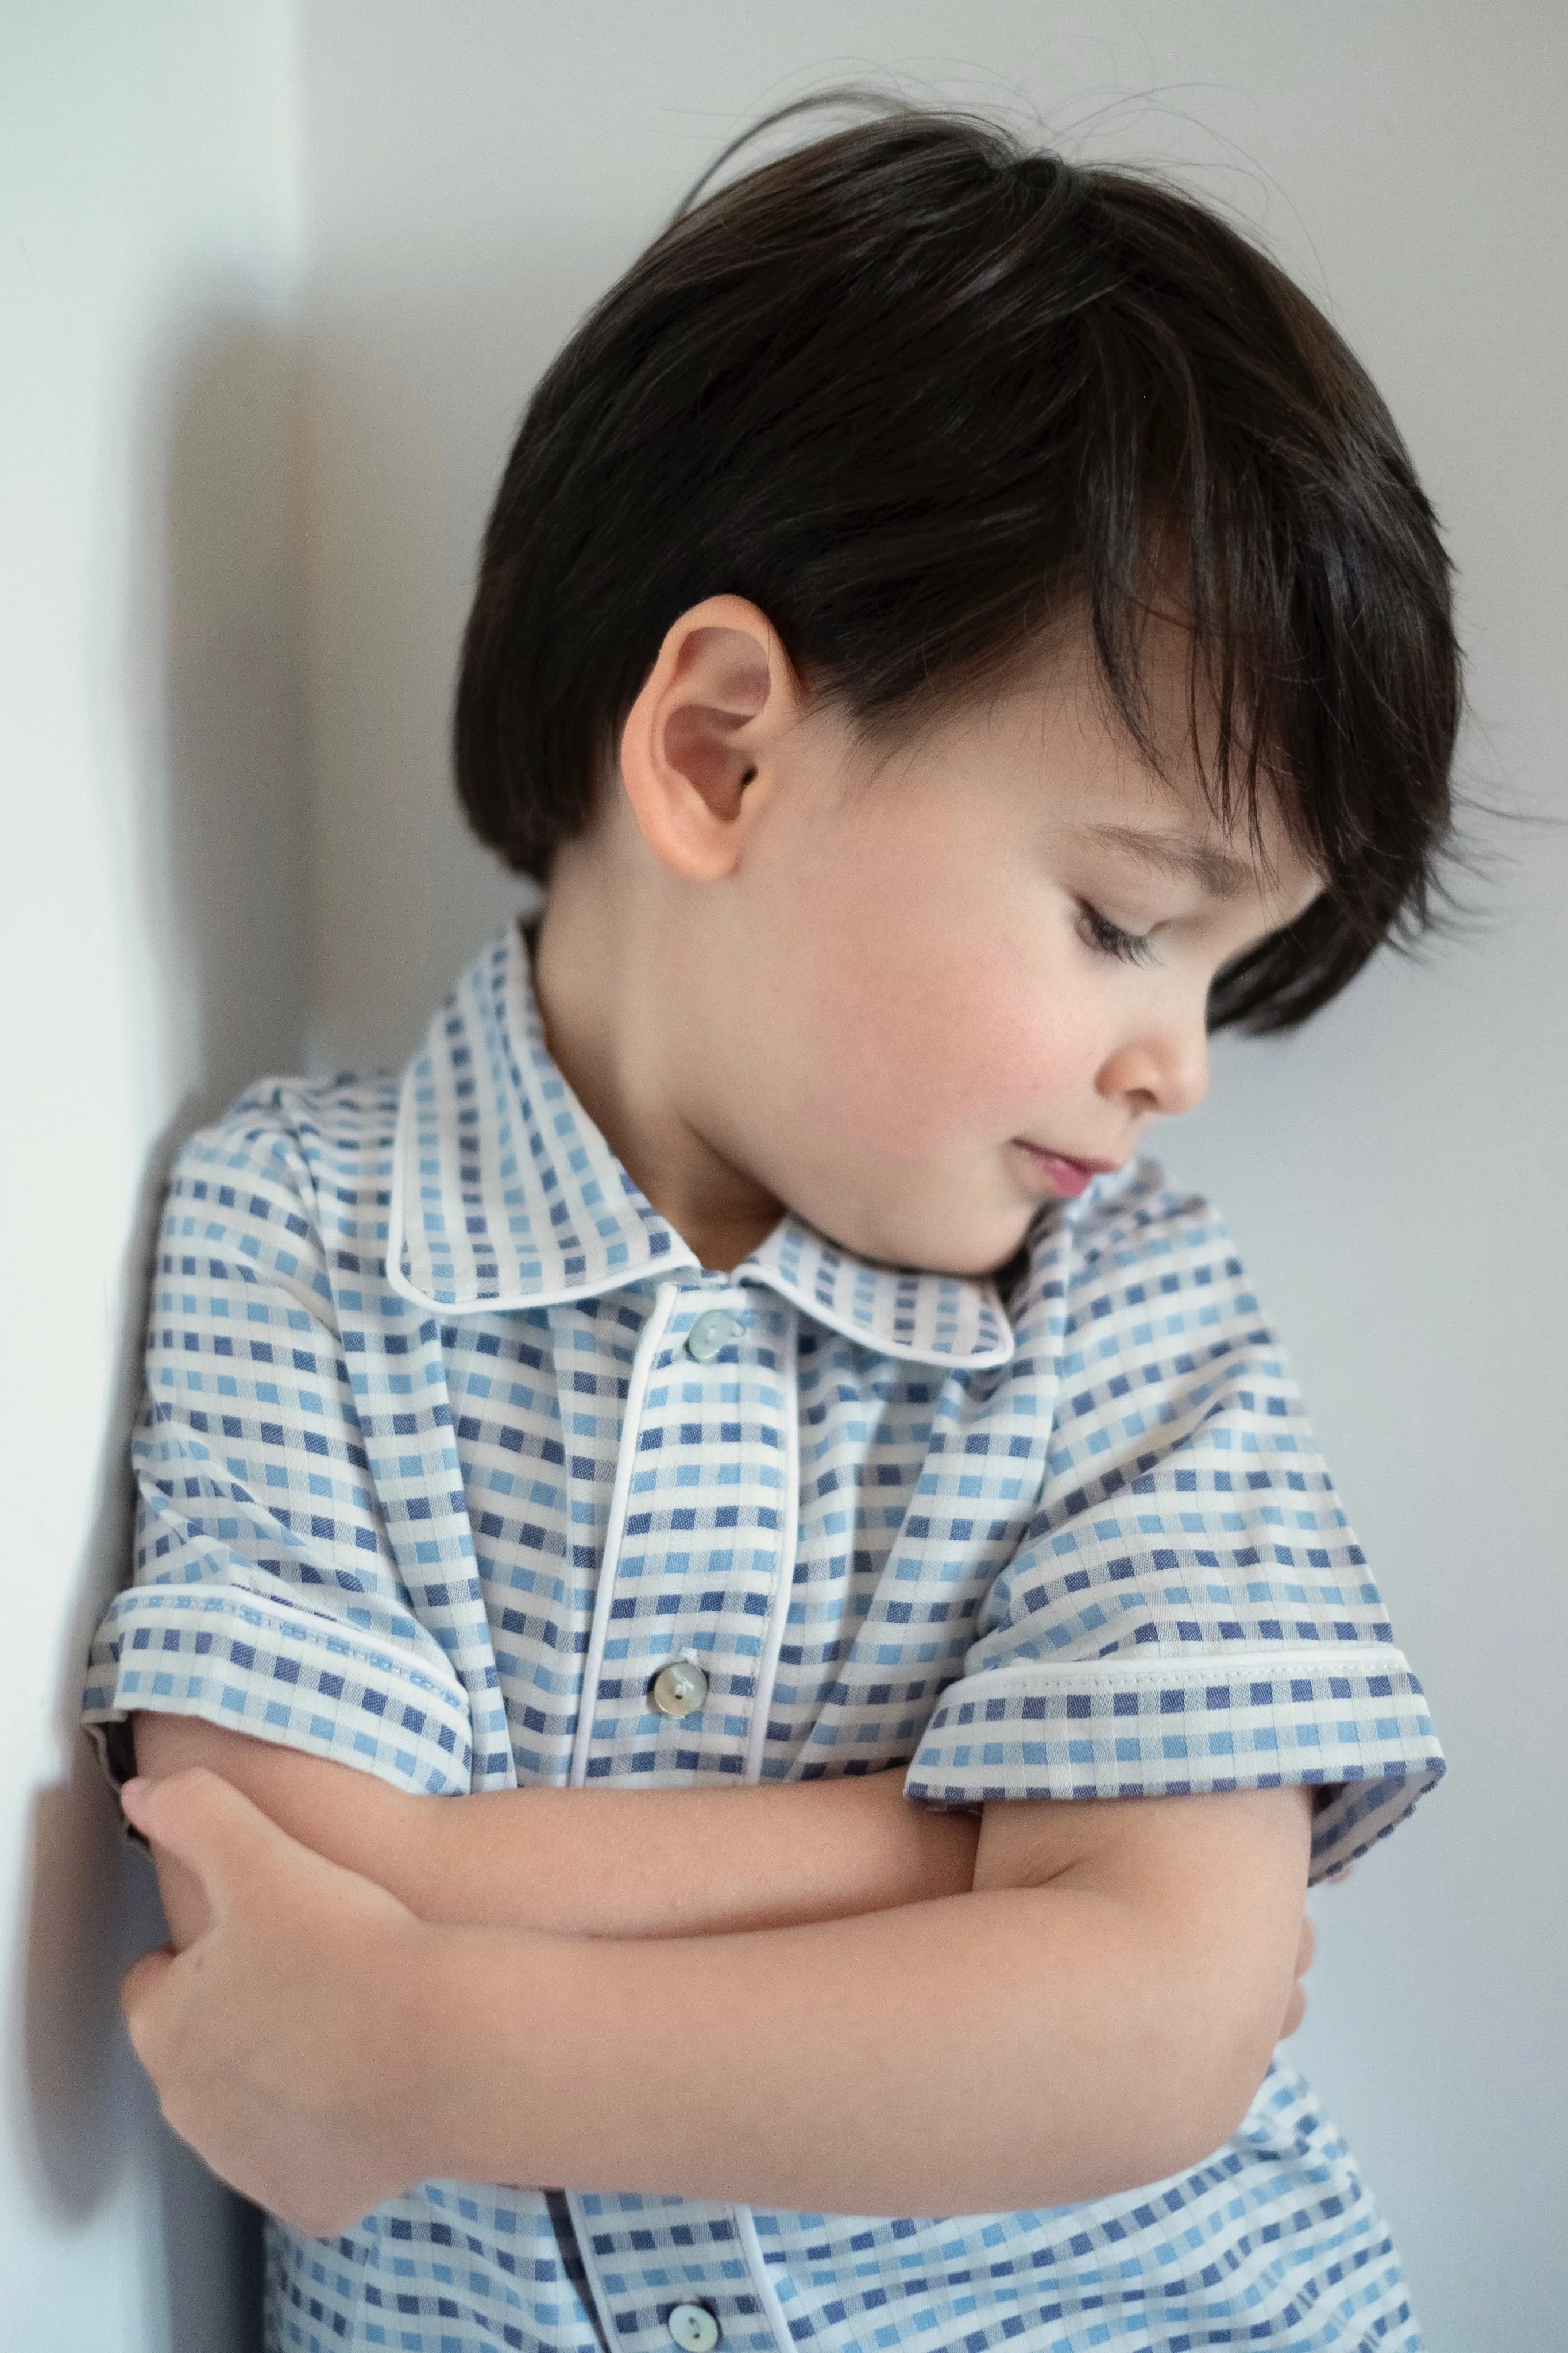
x=1222 y=876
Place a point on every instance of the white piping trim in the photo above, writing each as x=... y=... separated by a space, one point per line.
x=767 y=1672
x=756 y=2264
x=647 y=1347
x=1115 y=1673
x=783 y=1579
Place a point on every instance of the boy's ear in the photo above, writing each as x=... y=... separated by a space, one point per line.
x=703 y=733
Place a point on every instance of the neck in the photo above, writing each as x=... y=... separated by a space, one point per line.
x=608 y=995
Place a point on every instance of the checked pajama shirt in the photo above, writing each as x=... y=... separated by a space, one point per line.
x=450 y=1445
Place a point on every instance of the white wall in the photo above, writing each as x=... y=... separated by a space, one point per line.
x=474 y=175
x=152 y=957
x=478 y=172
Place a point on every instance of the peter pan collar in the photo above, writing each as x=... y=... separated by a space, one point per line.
x=505 y=1196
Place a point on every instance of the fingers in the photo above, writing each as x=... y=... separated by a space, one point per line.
x=203 y=1821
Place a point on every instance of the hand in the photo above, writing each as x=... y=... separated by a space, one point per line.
x=267 y=2057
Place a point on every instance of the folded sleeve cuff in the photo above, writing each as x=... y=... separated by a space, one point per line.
x=1353 y=1723
x=279 y=1673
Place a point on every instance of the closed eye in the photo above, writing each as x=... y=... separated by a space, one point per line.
x=1131 y=947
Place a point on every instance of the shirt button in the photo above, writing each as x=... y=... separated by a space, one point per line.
x=705 y=1337
x=678 y=1689
x=694 y=2326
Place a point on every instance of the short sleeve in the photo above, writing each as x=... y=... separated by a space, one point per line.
x=1189 y=1611
x=265 y=1595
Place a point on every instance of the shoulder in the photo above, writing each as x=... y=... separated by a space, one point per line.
x=1133 y=1246
x=292 y=1172
x=292 y=1130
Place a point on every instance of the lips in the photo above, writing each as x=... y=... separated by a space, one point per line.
x=1066 y=1177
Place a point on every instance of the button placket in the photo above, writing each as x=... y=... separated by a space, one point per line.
x=652 y=1354
x=684 y=1638
x=710 y=1380
x=681 y=1688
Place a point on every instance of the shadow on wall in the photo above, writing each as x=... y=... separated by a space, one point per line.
x=407 y=446
x=214 y=888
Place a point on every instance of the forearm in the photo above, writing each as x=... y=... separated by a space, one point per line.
x=994 y=2050
x=690 y=1862
x=612 y=1862
x=1035 y=2042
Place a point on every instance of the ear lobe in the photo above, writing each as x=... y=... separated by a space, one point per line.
x=709 y=713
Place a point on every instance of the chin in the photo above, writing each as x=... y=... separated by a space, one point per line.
x=975 y=1249
x=988 y=1262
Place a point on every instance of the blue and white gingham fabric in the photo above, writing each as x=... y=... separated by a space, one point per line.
x=431 y=1485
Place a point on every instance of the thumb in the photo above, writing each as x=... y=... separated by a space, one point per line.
x=204 y=1822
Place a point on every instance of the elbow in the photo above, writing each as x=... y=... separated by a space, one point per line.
x=1209 y=2044
x=1205 y=2095
x=1190 y=2095
x=1208 y=2124
x=1175 y=2125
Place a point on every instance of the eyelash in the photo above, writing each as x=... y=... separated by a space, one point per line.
x=1131 y=947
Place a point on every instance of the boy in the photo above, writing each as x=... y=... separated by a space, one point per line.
x=955 y=627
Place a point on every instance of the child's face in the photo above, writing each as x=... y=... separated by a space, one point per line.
x=928 y=983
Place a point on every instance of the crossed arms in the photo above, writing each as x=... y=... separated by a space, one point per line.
x=815 y=1996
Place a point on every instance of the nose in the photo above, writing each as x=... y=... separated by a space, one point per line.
x=1162 y=1071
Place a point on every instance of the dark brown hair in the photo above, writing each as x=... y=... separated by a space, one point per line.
x=915 y=389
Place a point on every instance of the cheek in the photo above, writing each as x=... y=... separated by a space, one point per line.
x=921 y=1040
x=923 y=993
